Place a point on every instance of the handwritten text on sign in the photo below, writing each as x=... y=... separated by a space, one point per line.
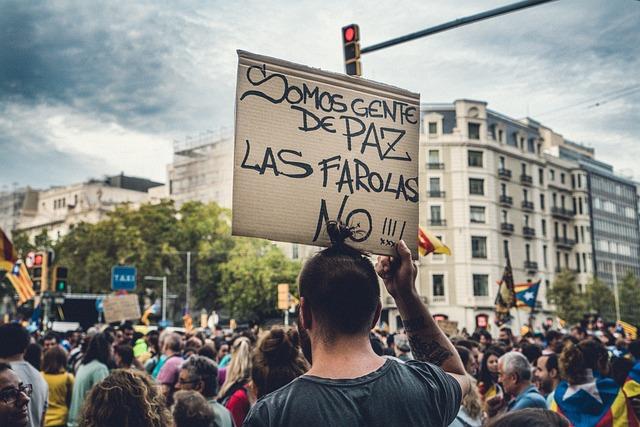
x=313 y=146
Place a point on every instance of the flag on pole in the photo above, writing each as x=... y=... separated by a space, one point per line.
x=428 y=243
x=19 y=278
x=8 y=255
x=527 y=294
x=629 y=330
x=505 y=299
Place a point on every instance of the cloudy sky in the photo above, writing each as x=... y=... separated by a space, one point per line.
x=95 y=88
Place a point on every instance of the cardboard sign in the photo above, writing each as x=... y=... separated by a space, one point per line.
x=313 y=146
x=449 y=327
x=121 y=307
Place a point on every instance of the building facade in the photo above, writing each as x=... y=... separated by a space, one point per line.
x=14 y=205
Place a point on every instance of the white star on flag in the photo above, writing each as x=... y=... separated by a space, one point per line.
x=591 y=388
x=528 y=295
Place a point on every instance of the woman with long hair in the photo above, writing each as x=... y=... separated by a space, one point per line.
x=60 y=384
x=276 y=361
x=125 y=398
x=488 y=375
x=233 y=393
x=94 y=368
x=586 y=395
x=470 y=413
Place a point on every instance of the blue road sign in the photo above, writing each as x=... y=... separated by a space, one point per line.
x=123 y=278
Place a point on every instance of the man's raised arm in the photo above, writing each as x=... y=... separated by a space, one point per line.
x=428 y=342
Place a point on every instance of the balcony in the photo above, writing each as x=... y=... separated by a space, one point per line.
x=437 y=222
x=562 y=213
x=506 y=228
x=527 y=205
x=528 y=232
x=526 y=179
x=531 y=266
x=438 y=166
x=506 y=200
x=504 y=174
x=436 y=194
x=563 y=242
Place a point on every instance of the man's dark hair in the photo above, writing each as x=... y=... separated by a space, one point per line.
x=127 y=326
x=552 y=362
x=50 y=336
x=507 y=330
x=125 y=352
x=553 y=335
x=14 y=339
x=98 y=349
x=204 y=369
x=192 y=410
x=340 y=286
x=531 y=351
x=465 y=354
x=468 y=344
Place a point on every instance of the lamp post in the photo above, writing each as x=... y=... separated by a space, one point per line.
x=162 y=279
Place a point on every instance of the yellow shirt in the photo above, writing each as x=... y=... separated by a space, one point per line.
x=60 y=386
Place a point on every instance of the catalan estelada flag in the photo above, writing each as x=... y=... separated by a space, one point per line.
x=8 y=255
x=19 y=278
x=630 y=330
x=632 y=383
x=598 y=403
x=526 y=294
x=505 y=297
x=428 y=243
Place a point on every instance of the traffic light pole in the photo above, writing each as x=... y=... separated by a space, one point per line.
x=456 y=23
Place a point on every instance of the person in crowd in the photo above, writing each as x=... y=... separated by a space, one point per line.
x=161 y=357
x=50 y=340
x=233 y=393
x=199 y=373
x=620 y=368
x=474 y=348
x=60 y=384
x=546 y=375
x=123 y=356
x=488 y=376
x=348 y=384
x=192 y=410
x=33 y=355
x=149 y=359
x=514 y=373
x=529 y=417
x=94 y=368
x=484 y=338
x=140 y=347
x=505 y=337
x=168 y=375
x=579 y=332
x=470 y=413
x=14 y=398
x=127 y=334
x=125 y=398
x=276 y=361
x=224 y=355
x=77 y=354
x=530 y=351
x=586 y=395
x=14 y=340
x=554 y=342
x=209 y=351
x=402 y=348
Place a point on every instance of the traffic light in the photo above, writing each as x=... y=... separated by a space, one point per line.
x=60 y=275
x=283 y=296
x=351 y=46
x=39 y=271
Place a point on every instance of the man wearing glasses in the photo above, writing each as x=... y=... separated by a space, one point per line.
x=14 y=398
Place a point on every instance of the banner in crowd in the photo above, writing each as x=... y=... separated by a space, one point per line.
x=313 y=146
x=118 y=308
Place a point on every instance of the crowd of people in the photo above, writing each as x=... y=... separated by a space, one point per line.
x=335 y=368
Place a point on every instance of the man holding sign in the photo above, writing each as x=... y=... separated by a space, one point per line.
x=348 y=384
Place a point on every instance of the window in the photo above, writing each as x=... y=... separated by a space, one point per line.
x=474 y=131
x=437 y=282
x=552 y=175
x=544 y=227
x=562 y=178
x=480 y=285
x=579 y=181
x=584 y=262
x=476 y=186
x=542 y=201
x=526 y=220
x=478 y=247
x=575 y=231
x=578 y=263
x=541 y=176
x=501 y=162
x=575 y=205
x=477 y=214
x=436 y=213
x=434 y=185
x=504 y=216
x=564 y=231
x=554 y=198
x=531 y=145
x=434 y=156
x=566 y=261
x=527 y=252
x=558 y=266
x=580 y=203
x=524 y=168
x=555 y=230
x=573 y=181
x=492 y=131
x=505 y=247
x=433 y=128
x=503 y=189
x=475 y=158
x=544 y=255
x=525 y=195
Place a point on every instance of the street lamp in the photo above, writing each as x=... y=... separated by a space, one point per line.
x=162 y=279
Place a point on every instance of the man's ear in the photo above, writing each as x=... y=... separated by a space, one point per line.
x=376 y=316
x=306 y=319
x=553 y=373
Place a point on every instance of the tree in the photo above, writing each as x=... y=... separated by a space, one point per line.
x=250 y=277
x=570 y=303
x=629 y=297
x=600 y=299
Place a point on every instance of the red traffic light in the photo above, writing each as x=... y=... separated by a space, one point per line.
x=350 y=33
x=38 y=259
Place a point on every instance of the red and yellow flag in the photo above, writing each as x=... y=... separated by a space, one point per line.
x=428 y=243
x=8 y=255
x=19 y=278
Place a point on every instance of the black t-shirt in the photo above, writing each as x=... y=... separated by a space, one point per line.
x=397 y=394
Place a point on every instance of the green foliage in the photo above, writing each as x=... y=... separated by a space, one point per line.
x=250 y=278
x=600 y=299
x=569 y=301
x=629 y=289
